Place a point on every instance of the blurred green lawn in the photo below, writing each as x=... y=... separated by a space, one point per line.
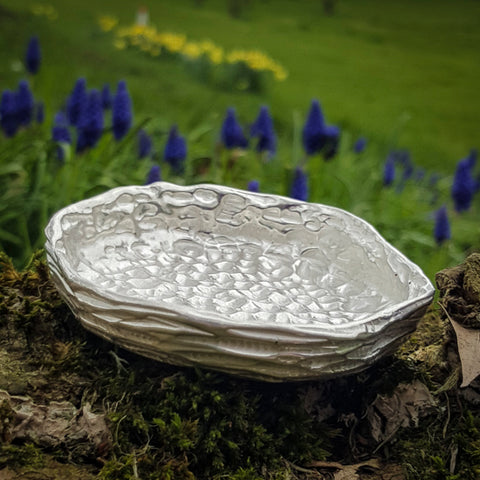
x=404 y=74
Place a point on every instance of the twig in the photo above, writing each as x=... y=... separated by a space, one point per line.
x=448 y=416
x=304 y=470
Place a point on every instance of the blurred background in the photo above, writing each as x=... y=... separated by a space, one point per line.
x=397 y=82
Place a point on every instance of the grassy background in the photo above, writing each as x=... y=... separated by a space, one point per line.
x=404 y=74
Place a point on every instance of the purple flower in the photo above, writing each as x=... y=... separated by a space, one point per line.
x=359 y=145
x=263 y=129
x=312 y=135
x=253 y=186
x=90 y=122
x=317 y=136
x=154 y=175
x=232 y=133
x=76 y=101
x=122 y=116
x=33 y=55
x=404 y=159
x=175 y=150
x=331 y=135
x=106 y=97
x=441 y=230
x=25 y=103
x=144 y=144
x=60 y=133
x=464 y=185
x=8 y=113
x=389 y=171
x=40 y=112
x=60 y=118
x=299 y=189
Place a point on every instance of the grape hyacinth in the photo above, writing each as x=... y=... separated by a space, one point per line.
x=312 y=134
x=359 y=145
x=389 y=171
x=441 y=230
x=232 y=133
x=464 y=185
x=106 y=97
x=90 y=122
x=8 y=113
x=144 y=144
x=76 y=101
x=154 y=175
x=263 y=129
x=175 y=150
x=61 y=134
x=253 y=186
x=121 y=111
x=299 y=190
x=33 y=56
x=331 y=135
x=317 y=136
x=25 y=103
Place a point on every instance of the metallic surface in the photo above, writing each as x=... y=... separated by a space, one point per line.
x=257 y=285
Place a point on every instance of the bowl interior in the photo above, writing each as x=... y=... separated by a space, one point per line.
x=247 y=257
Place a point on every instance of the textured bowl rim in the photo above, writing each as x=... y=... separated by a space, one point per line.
x=53 y=233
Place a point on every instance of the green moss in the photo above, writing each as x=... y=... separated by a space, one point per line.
x=180 y=423
x=17 y=456
x=440 y=451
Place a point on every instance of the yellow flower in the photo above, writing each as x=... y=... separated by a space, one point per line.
x=107 y=22
x=191 y=50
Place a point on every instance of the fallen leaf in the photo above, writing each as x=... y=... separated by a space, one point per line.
x=347 y=472
x=57 y=424
x=407 y=404
x=468 y=341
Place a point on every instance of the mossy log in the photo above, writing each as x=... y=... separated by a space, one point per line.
x=403 y=418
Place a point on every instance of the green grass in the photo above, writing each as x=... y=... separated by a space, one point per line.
x=402 y=74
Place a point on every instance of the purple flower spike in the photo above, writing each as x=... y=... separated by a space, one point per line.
x=360 y=145
x=299 y=190
x=312 y=135
x=144 y=144
x=90 y=123
x=154 y=175
x=331 y=136
x=33 y=56
x=464 y=185
x=106 y=97
x=317 y=136
x=389 y=171
x=8 y=113
x=122 y=116
x=253 y=186
x=60 y=133
x=441 y=230
x=25 y=103
x=76 y=101
x=263 y=129
x=175 y=150
x=232 y=133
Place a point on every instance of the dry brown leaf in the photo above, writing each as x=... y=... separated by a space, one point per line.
x=347 y=472
x=468 y=341
x=55 y=424
x=407 y=404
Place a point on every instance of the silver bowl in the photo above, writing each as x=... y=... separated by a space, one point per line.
x=256 y=285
